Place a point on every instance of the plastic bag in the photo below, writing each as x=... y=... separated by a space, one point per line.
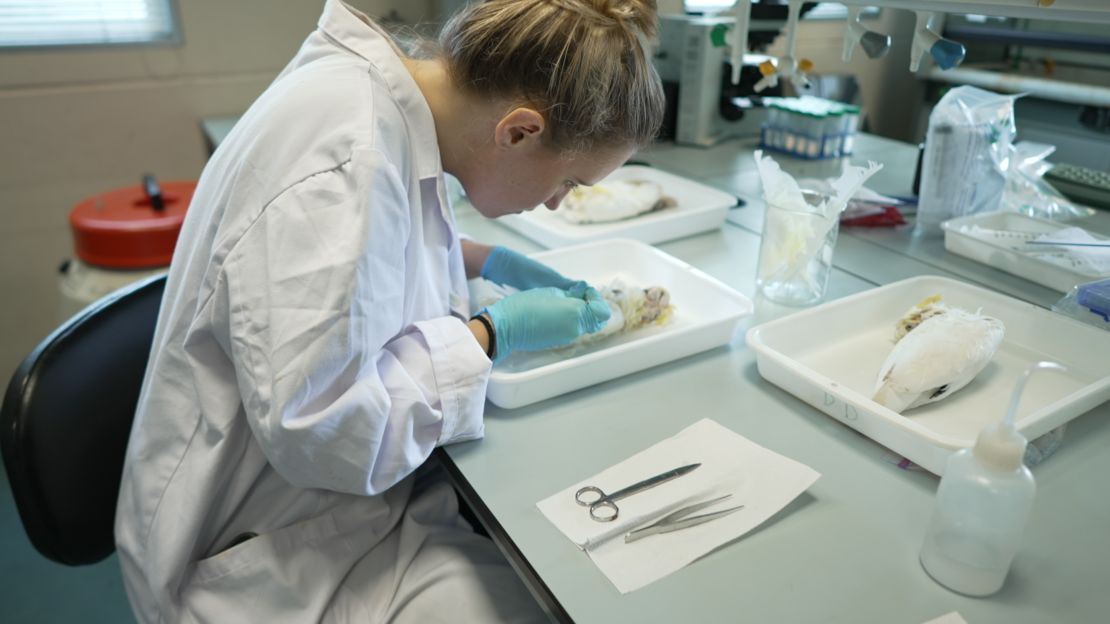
x=968 y=151
x=1088 y=302
x=1029 y=194
x=866 y=208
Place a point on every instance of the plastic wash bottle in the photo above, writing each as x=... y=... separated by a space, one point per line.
x=981 y=507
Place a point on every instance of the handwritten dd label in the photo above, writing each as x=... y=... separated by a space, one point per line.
x=838 y=408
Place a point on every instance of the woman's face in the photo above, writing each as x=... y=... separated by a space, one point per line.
x=520 y=183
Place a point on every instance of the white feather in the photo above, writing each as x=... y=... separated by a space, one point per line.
x=632 y=307
x=611 y=201
x=936 y=358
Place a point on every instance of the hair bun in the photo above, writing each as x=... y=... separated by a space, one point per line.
x=641 y=14
x=537 y=51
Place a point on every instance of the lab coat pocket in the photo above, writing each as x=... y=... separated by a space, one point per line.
x=261 y=553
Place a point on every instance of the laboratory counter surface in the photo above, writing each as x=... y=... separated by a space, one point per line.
x=847 y=549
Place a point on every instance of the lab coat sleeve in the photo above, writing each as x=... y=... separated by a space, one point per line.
x=340 y=393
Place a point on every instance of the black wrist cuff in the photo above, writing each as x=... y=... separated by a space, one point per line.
x=484 y=320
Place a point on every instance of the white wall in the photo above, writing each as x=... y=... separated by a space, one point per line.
x=79 y=121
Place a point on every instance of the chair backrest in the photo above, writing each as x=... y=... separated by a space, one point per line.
x=66 y=418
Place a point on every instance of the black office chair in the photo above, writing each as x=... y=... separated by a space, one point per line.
x=66 y=418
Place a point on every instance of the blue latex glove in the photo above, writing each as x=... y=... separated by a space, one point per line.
x=545 y=318
x=509 y=268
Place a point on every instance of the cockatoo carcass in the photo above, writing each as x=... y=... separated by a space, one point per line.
x=632 y=307
x=938 y=350
x=612 y=201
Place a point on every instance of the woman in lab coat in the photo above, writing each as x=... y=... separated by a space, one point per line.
x=314 y=346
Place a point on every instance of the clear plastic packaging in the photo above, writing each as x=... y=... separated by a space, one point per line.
x=968 y=152
x=1043 y=447
x=1028 y=193
x=1089 y=303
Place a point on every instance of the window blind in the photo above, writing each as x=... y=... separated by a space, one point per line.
x=28 y=23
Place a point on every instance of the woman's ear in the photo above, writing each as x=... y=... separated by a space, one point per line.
x=519 y=127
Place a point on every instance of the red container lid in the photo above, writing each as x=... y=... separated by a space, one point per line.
x=124 y=228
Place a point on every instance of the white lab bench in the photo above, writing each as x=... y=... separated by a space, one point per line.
x=846 y=551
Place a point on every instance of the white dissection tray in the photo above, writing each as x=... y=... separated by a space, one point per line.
x=998 y=239
x=829 y=356
x=705 y=315
x=697 y=208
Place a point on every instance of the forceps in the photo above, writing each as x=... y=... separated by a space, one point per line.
x=677 y=520
x=605 y=502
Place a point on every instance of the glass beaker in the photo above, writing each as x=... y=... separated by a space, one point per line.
x=796 y=251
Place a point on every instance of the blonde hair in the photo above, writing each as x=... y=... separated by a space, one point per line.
x=583 y=63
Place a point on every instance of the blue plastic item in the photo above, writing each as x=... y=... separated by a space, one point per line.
x=510 y=268
x=947 y=53
x=545 y=318
x=1095 y=296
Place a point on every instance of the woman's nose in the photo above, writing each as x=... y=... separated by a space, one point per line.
x=553 y=202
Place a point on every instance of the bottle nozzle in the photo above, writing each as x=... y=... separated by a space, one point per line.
x=1001 y=445
x=1015 y=397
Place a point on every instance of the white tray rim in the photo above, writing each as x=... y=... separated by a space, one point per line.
x=539 y=230
x=951 y=227
x=754 y=340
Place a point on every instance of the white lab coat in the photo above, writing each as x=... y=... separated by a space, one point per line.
x=311 y=352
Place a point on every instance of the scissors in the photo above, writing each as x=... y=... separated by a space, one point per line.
x=677 y=520
x=602 y=505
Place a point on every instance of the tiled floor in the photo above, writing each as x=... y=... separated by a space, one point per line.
x=35 y=590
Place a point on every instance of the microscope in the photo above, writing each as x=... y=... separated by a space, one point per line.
x=695 y=63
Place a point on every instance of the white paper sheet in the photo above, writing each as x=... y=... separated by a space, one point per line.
x=761 y=480
x=1090 y=260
